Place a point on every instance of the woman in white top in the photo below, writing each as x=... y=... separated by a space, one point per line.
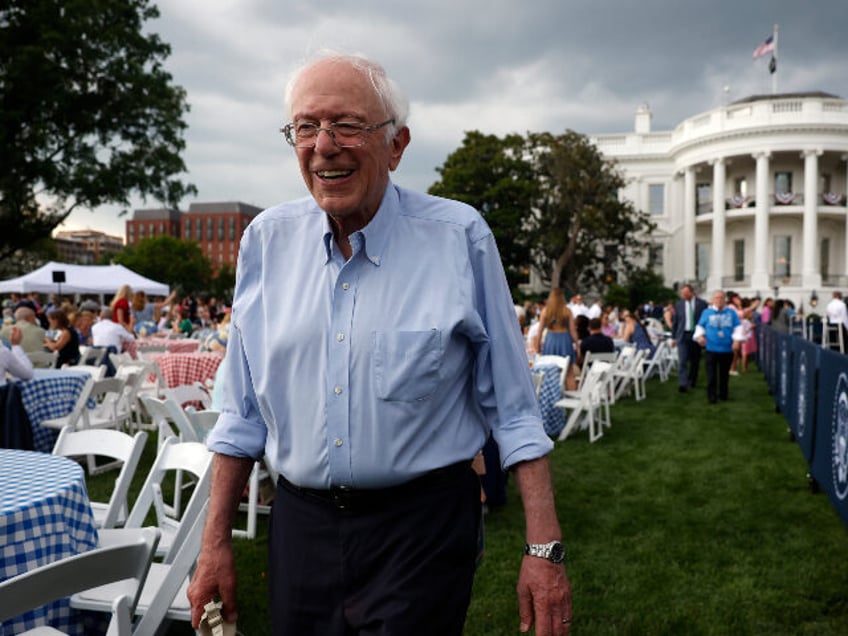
x=14 y=361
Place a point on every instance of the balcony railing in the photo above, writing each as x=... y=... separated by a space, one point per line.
x=834 y=280
x=785 y=281
x=729 y=282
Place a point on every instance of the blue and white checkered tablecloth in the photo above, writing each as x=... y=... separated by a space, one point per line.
x=45 y=515
x=50 y=393
x=553 y=418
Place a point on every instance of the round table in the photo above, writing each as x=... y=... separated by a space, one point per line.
x=45 y=515
x=187 y=368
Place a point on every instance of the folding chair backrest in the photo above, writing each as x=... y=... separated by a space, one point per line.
x=180 y=567
x=204 y=421
x=188 y=394
x=92 y=355
x=75 y=417
x=79 y=572
x=98 y=372
x=190 y=457
x=169 y=421
x=43 y=359
x=107 y=443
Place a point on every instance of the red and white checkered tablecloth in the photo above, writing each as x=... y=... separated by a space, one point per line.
x=187 y=368
x=179 y=345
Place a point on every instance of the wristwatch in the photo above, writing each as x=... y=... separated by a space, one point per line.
x=553 y=551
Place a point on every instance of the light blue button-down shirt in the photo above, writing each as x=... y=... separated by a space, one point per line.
x=372 y=371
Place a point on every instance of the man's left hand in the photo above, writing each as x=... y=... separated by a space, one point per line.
x=544 y=597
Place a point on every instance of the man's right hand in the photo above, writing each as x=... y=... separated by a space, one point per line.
x=15 y=336
x=214 y=578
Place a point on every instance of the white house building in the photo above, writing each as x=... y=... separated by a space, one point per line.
x=749 y=197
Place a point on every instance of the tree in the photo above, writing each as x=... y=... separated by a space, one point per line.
x=490 y=174
x=88 y=115
x=582 y=231
x=167 y=259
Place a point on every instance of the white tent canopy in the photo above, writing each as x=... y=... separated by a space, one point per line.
x=82 y=279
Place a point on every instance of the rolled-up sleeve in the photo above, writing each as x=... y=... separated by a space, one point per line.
x=502 y=375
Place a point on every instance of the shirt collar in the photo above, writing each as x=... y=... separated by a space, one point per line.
x=374 y=236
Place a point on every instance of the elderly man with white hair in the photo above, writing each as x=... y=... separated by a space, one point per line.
x=31 y=332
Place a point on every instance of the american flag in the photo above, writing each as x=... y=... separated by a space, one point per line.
x=766 y=47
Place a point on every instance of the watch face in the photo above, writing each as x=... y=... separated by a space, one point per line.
x=557 y=553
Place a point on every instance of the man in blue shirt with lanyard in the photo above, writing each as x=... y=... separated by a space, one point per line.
x=720 y=332
x=373 y=347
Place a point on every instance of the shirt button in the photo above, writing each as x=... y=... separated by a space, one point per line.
x=338 y=442
x=339 y=337
x=345 y=286
x=338 y=390
x=375 y=260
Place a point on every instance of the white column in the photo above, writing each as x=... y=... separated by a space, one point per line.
x=717 y=262
x=845 y=247
x=760 y=273
x=810 y=274
x=689 y=247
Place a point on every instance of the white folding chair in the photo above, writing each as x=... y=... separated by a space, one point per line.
x=186 y=457
x=657 y=364
x=162 y=596
x=75 y=417
x=115 y=445
x=188 y=394
x=43 y=359
x=92 y=355
x=588 y=407
x=112 y=407
x=628 y=375
x=128 y=562
x=98 y=372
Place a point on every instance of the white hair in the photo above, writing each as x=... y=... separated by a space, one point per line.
x=394 y=102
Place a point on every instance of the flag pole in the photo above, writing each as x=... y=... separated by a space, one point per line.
x=774 y=56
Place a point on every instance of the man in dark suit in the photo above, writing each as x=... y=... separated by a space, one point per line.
x=687 y=312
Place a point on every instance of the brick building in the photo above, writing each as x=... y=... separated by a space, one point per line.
x=216 y=227
x=85 y=247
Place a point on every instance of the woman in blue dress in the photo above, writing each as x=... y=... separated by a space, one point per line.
x=557 y=327
x=636 y=334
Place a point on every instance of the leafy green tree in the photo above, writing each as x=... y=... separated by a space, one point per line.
x=490 y=174
x=170 y=260
x=640 y=286
x=582 y=231
x=88 y=114
x=224 y=282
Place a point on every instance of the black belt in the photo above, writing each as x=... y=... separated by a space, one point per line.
x=345 y=498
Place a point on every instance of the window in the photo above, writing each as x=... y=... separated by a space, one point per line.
x=141 y=233
x=210 y=229
x=656 y=198
x=161 y=228
x=232 y=228
x=703 y=198
x=655 y=257
x=220 y=228
x=702 y=261
x=824 y=258
x=782 y=256
x=741 y=184
x=198 y=230
x=824 y=183
x=739 y=260
x=187 y=232
x=782 y=182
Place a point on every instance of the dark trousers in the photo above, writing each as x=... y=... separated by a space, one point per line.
x=718 y=372
x=688 y=360
x=399 y=563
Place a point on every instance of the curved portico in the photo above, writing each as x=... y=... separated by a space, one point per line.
x=756 y=194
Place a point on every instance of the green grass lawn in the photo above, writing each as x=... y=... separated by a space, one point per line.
x=685 y=518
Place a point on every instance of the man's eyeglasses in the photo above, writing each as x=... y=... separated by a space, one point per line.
x=345 y=134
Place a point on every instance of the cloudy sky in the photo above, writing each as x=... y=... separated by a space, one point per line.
x=497 y=66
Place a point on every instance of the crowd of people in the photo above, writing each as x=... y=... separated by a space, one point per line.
x=64 y=324
x=554 y=325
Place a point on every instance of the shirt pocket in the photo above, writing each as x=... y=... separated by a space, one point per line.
x=407 y=364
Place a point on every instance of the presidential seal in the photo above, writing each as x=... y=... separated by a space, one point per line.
x=839 y=450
